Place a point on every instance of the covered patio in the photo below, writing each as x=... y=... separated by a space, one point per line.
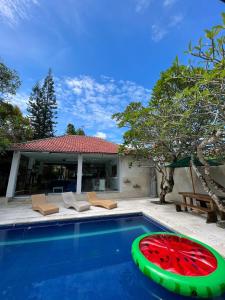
x=61 y=164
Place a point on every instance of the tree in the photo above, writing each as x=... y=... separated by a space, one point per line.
x=162 y=130
x=70 y=130
x=185 y=115
x=209 y=87
x=14 y=127
x=36 y=112
x=80 y=131
x=50 y=104
x=42 y=108
x=9 y=82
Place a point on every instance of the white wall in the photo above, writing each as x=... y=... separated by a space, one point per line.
x=136 y=175
x=182 y=180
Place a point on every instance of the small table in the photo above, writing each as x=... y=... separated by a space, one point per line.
x=198 y=202
x=57 y=189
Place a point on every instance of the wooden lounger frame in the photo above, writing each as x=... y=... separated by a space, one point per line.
x=95 y=201
x=40 y=204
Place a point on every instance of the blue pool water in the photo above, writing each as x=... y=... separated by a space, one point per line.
x=82 y=260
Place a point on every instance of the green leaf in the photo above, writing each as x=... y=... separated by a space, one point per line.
x=209 y=34
x=223 y=17
x=190 y=47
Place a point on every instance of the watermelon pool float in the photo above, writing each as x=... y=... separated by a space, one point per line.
x=180 y=264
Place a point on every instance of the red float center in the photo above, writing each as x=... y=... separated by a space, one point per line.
x=178 y=255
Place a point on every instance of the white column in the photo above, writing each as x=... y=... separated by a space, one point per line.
x=31 y=163
x=13 y=175
x=79 y=173
x=119 y=173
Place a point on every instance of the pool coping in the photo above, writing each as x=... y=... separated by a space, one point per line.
x=68 y=219
x=88 y=218
x=84 y=218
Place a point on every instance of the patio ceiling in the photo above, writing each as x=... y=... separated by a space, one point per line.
x=68 y=158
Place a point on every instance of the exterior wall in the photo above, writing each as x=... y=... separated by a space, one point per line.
x=182 y=179
x=135 y=175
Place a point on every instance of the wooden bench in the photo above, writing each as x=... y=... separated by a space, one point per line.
x=198 y=202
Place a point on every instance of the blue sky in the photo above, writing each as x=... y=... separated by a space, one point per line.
x=104 y=53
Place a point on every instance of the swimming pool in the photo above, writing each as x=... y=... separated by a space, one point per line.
x=82 y=260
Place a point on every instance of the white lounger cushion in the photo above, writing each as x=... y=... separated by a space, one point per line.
x=70 y=202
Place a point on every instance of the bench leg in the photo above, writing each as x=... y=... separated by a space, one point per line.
x=178 y=208
x=185 y=203
x=222 y=216
x=191 y=202
x=211 y=217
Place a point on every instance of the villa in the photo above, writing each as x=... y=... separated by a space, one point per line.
x=78 y=164
x=85 y=218
x=88 y=249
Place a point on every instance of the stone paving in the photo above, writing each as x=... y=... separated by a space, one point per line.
x=192 y=224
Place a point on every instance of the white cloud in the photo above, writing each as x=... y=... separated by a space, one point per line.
x=167 y=3
x=159 y=31
x=20 y=99
x=175 y=20
x=78 y=84
x=91 y=103
x=101 y=135
x=142 y=5
x=12 y=11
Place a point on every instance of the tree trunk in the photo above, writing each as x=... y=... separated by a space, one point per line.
x=166 y=184
x=207 y=189
x=162 y=195
x=214 y=185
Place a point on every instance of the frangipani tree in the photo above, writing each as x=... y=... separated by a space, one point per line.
x=209 y=89
x=165 y=130
x=185 y=115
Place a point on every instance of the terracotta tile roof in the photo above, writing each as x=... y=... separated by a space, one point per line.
x=69 y=144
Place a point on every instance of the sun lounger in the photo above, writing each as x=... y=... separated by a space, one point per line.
x=40 y=204
x=70 y=202
x=95 y=201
